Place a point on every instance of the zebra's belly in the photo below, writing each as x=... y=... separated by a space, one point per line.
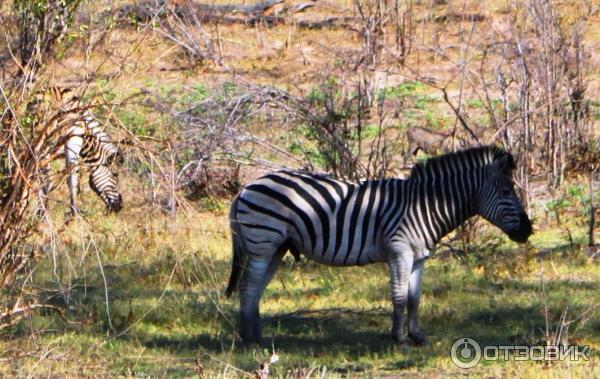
x=349 y=256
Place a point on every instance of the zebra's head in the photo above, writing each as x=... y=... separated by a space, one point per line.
x=104 y=182
x=498 y=202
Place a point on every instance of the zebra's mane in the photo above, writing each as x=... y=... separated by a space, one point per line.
x=462 y=160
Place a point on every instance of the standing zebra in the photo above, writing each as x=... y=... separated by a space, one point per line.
x=84 y=140
x=342 y=224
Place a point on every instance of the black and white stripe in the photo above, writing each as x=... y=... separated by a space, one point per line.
x=85 y=141
x=392 y=220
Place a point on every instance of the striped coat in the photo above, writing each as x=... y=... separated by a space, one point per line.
x=394 y=221
x=84 y=141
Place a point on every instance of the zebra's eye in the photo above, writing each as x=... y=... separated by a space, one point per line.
x=505 y=192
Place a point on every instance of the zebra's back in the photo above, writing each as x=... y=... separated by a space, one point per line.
x=331 y=221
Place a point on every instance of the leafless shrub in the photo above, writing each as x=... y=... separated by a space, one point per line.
x=217 y=134
x=372 y=18
x=541 y=75
x=39 y=25
x=180 y=22
x=404 y=28
x=532 y=81
x=210 y=140
x=211 y=137
x=351 y=142
x=34 y=137
x=28 y=151
x=181 y=25
x=334 y=121
x=27 y=148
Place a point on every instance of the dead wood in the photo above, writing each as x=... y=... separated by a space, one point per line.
x=145 y=11
x=330 y=22
x=459 y=17
x=264 y=13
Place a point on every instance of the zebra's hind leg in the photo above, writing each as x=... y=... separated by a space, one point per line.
x=258 y=272
x=273 y=265
x=45 y=189
x=414 y=294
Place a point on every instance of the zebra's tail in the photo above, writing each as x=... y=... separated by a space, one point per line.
x=238 y=250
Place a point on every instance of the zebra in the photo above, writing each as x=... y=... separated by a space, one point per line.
x=84 y=141
x=339 y=223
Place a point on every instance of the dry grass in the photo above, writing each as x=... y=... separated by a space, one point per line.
x=164 y=281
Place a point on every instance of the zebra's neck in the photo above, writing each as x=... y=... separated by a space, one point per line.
x=441 y=204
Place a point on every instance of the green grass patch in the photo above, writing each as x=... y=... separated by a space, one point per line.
x=403 y=90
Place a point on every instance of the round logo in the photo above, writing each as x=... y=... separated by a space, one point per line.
x=465 y=352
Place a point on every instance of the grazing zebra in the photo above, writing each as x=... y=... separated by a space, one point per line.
x=391 y=220
x=85 y=140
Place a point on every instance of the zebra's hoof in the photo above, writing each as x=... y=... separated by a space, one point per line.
x=418 y=338
x=250 y=341
x=401 y=340
x=251 y=345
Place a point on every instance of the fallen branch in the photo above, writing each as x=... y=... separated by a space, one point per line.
x=459 y=17
x=11 y=317
x=259 y=8
x=147 y=10
x=230 y=14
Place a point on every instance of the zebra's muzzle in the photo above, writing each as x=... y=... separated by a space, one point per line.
x=115 y=205
x=522 y=233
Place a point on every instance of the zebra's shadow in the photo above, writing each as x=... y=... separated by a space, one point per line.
x=349 y=337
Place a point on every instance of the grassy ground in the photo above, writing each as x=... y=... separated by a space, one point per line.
x=164 y=281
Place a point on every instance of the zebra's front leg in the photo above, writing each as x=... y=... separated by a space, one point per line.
x=414 y=294
x=74 y=188
x=400 y=263
x=72 y=149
